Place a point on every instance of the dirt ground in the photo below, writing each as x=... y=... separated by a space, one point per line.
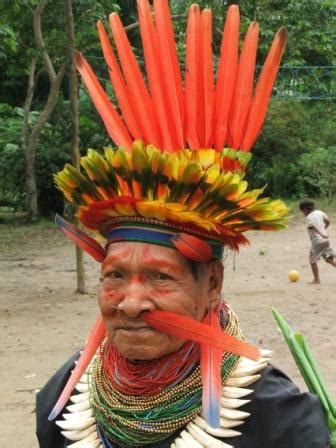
x=43 y=321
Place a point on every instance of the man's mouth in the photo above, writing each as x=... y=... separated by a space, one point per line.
x=136 y=329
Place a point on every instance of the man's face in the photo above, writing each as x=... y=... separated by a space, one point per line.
x=137 y=277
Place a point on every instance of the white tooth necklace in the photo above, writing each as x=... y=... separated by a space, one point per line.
x=79 y=424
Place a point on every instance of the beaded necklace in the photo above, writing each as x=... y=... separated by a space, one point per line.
x=137 y=419
x=148 y=377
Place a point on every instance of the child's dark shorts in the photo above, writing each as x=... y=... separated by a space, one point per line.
x=319 y=250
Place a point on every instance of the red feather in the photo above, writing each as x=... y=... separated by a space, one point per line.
x=119 y=84
x=189 y=329
x=208 y=79
x=192 y=77
x=81 y=239
x=170 y=72
x=142 y=103
x=264 y=89
x=113 y=123
x=244 y=86
x=153 y=68
x=192 y=247
x=210 y=364
x=95 y=339
x=226 y=75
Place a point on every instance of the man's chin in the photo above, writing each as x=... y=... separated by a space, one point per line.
x=144 y=349
x=142 y=353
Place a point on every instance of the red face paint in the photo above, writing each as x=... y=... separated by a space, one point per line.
x=138 y=277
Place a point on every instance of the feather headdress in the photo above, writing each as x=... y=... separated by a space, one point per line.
x=176 y=177
x=183 y=146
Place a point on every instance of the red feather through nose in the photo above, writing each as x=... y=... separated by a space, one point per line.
x=167 y=322
x=192 y=247
x=185 y=327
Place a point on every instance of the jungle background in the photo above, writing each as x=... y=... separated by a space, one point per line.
x=43 y=320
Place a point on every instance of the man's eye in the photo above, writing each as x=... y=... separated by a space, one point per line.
x=161 y=276
x=114 y=275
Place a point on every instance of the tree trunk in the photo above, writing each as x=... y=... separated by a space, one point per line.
x=73 y=94
x=30 y=139
x=31 y=193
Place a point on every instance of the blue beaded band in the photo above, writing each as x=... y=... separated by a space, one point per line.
x=153 y=236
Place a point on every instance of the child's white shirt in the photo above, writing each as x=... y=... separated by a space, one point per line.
x=318 y=219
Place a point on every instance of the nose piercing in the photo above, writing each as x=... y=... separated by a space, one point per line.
x=115 y=307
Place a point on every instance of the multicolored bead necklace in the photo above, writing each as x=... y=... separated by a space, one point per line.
x=165 y=400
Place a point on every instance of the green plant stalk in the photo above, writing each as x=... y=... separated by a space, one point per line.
x=303 y=343
x=310 y=372
x=333 y=439
x=300 y=359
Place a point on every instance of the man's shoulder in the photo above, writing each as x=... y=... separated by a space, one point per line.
x=48 y=433
x=281 y=416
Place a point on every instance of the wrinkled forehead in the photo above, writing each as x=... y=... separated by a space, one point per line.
x=144 y=254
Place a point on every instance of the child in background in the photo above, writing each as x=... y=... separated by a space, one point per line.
x=317 y=222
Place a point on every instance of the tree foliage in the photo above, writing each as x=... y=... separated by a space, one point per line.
x=295 y=136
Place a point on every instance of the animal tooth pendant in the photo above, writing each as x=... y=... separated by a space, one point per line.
x=235 y=392
x=242 y=381
x=233 y=403
x=79 y=435
x=250 y=370
x=76 y=424
x=219 y=432
x=77 y=398
x=204 y=438
x=185 y=435
x=83 y=414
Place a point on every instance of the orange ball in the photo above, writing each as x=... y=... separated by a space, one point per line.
x=293 y=276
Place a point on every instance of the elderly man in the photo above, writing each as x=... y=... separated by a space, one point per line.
x=138 y=277
x=166 y=364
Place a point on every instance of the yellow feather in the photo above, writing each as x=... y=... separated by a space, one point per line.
x=206 y=157
x=124 y=209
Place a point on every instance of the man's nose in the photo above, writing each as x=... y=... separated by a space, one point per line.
x=136 y=299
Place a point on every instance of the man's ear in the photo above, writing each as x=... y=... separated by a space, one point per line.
x=215 y=282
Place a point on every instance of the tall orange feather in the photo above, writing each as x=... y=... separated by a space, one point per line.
x=244 y=86
x=113 y=123
x=226 y=75
x=208 y=78
x=153 y=68
x=170 y=71
x=119 y=84
x=142 y=103
x=192 y=77
x=264 y=89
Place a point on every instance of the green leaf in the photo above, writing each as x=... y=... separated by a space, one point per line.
x=308 y=368
x=303 y=343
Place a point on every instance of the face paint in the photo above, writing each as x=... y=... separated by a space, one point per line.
x=138 y=277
